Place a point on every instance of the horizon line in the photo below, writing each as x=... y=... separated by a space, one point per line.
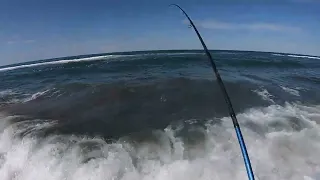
x=137 y=51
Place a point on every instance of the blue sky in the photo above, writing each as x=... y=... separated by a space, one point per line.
x=40 y=29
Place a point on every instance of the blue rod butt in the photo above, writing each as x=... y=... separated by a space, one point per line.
x=244 y=153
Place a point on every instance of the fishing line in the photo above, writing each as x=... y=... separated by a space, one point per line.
x=227 y=99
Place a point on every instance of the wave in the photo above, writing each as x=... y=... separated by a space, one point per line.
x=300 y=56
x=263 y=64
x=9 y=96
x=7 y=92
x=175 y=58
x=164 y=99
x=141 y=56
x=297 y=56
x=280 y=140
x=291 y=91
x=36 y=95
x=278 y=55
x=95 y=58
x=315 y=80
x=170 y=54
x=264 y=94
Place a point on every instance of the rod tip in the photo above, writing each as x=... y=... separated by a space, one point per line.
x=174 y=5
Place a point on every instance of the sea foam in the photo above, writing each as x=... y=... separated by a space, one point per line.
x=278 y=151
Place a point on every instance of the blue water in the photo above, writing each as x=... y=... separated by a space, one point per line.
x=160 y=115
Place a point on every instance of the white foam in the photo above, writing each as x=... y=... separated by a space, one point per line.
x=36 y=95
x=24 y=97
x=264 y=94
x=291 y=91
x=297 y=56
x=96 y=58
x=282 y=154
x=278 y=55
x=7 y=92
x=300 y=56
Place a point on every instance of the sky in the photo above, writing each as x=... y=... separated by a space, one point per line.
x=41 y=29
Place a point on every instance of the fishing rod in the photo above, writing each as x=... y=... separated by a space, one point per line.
x=227 y=99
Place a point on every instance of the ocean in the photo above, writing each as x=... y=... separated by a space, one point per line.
x=160 y=115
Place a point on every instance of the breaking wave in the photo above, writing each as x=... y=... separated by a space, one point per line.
x=282 y=141
x=291 y=91
x=96 y=58
x=264 y=94
x=297 y=56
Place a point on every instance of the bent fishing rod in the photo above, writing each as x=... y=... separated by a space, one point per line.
x=227 y=99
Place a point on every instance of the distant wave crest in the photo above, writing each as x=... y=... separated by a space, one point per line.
x=309 y=57
x=95 y=58
x=297 y=56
